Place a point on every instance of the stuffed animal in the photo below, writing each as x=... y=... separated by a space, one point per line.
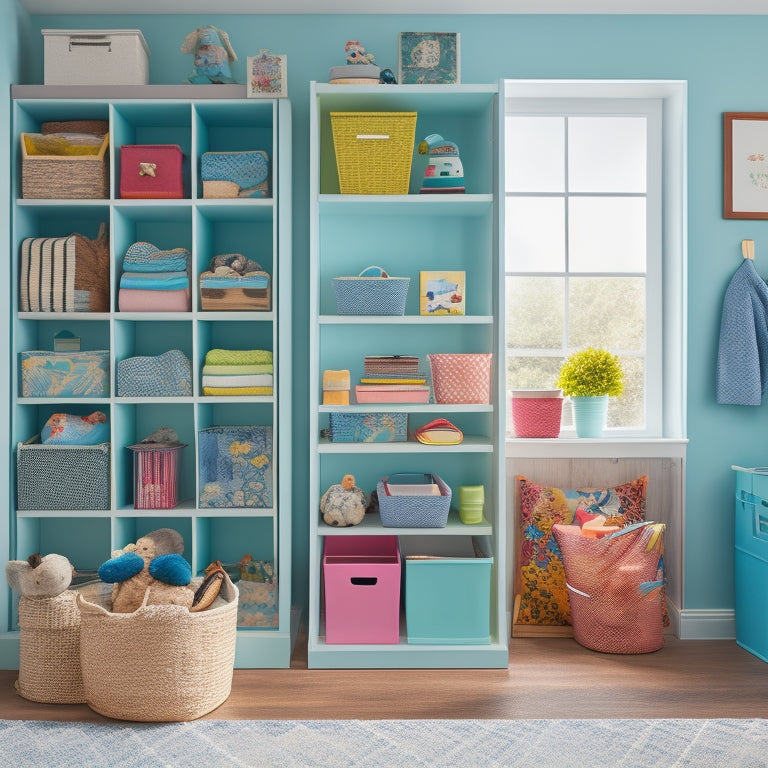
x=343 y=503
x=49 y=662
x=213 y=52
x=356 y=54
x=153 y=563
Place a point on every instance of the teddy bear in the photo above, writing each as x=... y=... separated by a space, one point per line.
x=343 y=503
x=49 y=661
x=155 y=564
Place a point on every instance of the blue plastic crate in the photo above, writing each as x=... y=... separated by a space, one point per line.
x=447 y=591
x=751 y=561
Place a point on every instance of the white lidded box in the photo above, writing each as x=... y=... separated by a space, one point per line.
x=95 y=57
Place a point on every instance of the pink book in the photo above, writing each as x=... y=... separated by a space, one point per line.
x=399 y=393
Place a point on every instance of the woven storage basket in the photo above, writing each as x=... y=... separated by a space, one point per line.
x=414 y=511
x=368 y=427
x=73 y=177
x=537 y=413
x=371 y=295
x=49 y=656
x=461 y=378
x=159 y=663
x=373 y=151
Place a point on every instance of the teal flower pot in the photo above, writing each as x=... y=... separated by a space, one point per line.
x=589 y=415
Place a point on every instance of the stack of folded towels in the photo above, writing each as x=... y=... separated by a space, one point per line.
x=237 y=372
x=155 y=280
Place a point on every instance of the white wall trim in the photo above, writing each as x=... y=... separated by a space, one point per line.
x=697 y=624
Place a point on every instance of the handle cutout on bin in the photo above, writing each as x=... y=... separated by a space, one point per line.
x=364 y=581
x=372 y=135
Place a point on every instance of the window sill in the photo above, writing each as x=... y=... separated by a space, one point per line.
x=588 y=448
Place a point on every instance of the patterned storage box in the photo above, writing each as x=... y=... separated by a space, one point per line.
x=165 y=375
x=65 y=374
x=235 y=174
x=415 y=511
x=363 y=295
x=151 y=171
x=368 y=427
x=235 y=466
x=66 y=477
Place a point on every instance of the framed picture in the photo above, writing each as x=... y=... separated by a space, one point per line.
x=428 y=58
x=745 y=165
x=441 y=292
x=267 y=76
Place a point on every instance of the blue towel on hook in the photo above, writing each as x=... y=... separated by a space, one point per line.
x=742 y=358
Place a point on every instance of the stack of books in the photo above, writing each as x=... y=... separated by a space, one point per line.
x=392 y=379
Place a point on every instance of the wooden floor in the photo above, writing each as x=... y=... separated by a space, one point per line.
x=546 y=678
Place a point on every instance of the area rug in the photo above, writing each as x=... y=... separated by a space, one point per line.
x=726 y=743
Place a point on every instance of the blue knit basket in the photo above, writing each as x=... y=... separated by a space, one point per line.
x=414 y=511
x=371 y=295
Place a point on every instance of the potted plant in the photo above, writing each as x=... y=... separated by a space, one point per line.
x=589 y=377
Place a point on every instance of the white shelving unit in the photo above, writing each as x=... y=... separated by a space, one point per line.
x=198 y=119
x=405 y=234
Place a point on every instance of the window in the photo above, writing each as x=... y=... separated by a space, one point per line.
x=585 y=248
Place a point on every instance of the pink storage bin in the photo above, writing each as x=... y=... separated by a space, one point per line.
x=156 y=476
x=461 y=378
x=362 y=589
x=537 y=412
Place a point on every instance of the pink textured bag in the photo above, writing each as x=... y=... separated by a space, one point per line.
x=461 y=378
x=615 y=587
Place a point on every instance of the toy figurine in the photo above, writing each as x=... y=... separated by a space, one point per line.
x=213 y=53
x=356 y=54
x=444 y=172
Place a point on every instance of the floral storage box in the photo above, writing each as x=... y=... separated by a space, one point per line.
x=235 y=466
x=65 y=374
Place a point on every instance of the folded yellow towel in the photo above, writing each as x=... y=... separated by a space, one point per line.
x=236 y=391
x=238 y=357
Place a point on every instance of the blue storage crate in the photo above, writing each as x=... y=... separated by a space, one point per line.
x=751 y=560
x=447 y=590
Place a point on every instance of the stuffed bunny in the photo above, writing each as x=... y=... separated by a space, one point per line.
x=213 y=53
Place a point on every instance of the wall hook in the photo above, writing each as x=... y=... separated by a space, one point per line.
x=748 y=249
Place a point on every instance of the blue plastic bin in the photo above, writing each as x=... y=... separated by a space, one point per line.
x=751 y=560
x=447 y=591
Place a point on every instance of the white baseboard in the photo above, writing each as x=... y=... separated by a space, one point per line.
x=706 y=624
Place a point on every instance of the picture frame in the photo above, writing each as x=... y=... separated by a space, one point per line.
x=442 y=292
x=745 y=165
x=428 y=58
x=267 y=76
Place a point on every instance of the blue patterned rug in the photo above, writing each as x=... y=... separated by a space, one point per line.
x=387 y=744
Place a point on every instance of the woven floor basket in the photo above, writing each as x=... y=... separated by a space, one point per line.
x=49 y=660
x=159 y=663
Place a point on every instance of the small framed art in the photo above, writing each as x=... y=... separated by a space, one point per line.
x=745 y=165
x=441 y=292
x=267 y=76
x=428 y=58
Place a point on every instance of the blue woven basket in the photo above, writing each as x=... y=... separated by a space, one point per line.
x=371 y=295
x=414 y=511
x=368 y=427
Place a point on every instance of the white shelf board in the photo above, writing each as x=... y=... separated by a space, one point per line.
x=371 y=526
x=405 y=320
x=470 y=444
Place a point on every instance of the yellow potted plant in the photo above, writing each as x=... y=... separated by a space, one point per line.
x=589 y=377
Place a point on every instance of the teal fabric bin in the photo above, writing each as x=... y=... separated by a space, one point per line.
x=751 y=560
x=447 y=590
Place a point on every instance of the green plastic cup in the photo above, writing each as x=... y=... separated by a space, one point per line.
x=471 y=502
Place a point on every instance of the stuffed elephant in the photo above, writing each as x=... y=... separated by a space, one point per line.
x=213 y=52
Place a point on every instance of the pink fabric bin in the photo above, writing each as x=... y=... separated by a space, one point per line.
x=362 y=589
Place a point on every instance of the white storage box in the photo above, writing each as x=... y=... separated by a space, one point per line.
x=95 y=57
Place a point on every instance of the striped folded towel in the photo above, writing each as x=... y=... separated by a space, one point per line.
x=236 y=391
x=237 y=370
x=155 y=281
x=259 y=380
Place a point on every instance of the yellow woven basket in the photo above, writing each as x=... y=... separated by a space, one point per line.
x=373 y=151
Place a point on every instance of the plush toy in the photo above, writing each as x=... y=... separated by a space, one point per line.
x=153 y=563
x=49 y=662
x=343 y=503
x=356 y=54
x=213 y=52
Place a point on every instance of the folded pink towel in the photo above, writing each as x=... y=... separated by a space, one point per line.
x=137 y=300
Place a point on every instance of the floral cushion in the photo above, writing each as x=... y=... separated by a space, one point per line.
x=543 y=598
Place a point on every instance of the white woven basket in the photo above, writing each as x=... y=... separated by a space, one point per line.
x=159 y=663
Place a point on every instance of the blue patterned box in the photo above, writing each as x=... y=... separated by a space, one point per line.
x=235 y=466
x=65 y=374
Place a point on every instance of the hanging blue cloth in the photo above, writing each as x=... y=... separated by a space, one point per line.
x=742 y=359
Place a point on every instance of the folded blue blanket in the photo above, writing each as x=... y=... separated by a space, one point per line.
x=166 y=264
x=158 y=281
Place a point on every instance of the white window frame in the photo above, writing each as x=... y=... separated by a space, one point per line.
x=666 y=269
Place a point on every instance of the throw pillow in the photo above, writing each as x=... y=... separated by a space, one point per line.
x=541 y=577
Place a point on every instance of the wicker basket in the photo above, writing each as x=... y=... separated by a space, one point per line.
x=537 y=413
x=49 y=655
x=159 y=663
x=71 y=177
x=373 y=151
x=414 y=511
x=368 y=427
x=371 y=295
x=461 y=378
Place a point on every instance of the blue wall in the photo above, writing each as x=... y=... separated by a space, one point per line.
x=723 y=60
